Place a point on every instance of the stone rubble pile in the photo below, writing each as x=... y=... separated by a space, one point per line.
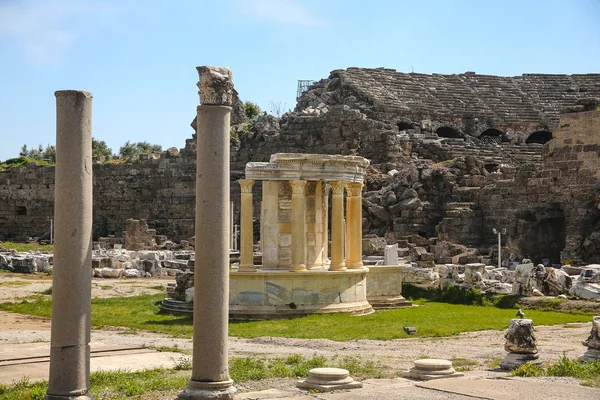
x=25 y=263
x=107 y=263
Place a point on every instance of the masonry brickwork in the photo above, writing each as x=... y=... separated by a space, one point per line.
x=452 y=156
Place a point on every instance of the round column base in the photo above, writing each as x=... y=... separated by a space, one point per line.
x=337 y=267
x=247 y=268
x=87 y=396
x=196 y=390
x=298 y=268
x=354 y=264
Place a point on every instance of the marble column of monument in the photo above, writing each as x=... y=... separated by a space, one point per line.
x=72 y=279
x=354 y=225
x=210 y=373
x=317 y=234
x=337 y=226
x=326 y=189
x=298 y=226
x=246 y=227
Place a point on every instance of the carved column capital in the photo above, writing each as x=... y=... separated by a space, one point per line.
x=298 y=186
x=246 y=185
x=337 y=187
x=354 y=189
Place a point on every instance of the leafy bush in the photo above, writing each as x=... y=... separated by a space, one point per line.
x=252 y=110
x=133 y=150
x=100 y=149
x=454 y=295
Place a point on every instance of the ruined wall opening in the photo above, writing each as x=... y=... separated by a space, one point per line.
x=492 y=132
x=447 y=132
x=404 y=126
x=542 y=233
x=21 y=210
x=541 y=137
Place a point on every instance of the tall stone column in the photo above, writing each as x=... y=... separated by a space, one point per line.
x=326 y=190
x=246 y=229
x=72 y=279
x=337 y=226
x=354 y=225
x=210 y=374
x=298 y=226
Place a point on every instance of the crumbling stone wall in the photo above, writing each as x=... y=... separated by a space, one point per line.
x=448 y=152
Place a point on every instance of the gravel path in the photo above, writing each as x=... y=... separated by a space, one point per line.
x=482 y=347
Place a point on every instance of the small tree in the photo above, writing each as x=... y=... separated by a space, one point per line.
x=252 y=110
x=100 y=149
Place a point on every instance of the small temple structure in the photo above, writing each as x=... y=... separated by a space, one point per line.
x=312 y=261
x=297 y=276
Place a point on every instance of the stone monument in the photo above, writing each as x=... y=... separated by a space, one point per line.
x=210 y=374
x=520 y=344
x=72 y=278
x=592 y=342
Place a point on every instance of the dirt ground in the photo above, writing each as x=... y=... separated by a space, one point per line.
x=18 y=287
x=482 y=349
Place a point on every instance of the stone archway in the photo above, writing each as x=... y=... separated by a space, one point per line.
x=541 y=137
x=492 y=135
x=447 y=132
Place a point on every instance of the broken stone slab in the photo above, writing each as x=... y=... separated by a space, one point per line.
x=558 y=281
x=328 y=379
x=431 y=368
x=514 y=360
x=24 y=265
x=109 y=272
x=585 y=290
x=132 y=273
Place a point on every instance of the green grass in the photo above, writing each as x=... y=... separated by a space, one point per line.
x=113 y=385
x=14 y=283
x=431 y=320
x=128 y=385
x=25 y=247
x=463 y=364
x=589 y=372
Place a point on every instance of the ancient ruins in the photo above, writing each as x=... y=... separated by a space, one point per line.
x=452 y=156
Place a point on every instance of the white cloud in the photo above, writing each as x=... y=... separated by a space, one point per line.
x=279 y=12
x=46 y=30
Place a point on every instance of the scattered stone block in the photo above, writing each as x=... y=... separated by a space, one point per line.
x=24 y=265
x=328 y=379
x=592 y=342
x=521 y=344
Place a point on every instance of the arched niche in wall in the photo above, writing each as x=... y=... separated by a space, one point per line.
x=447 y=132
x=492 y=135
x=403 y=126
x=492 y=132
x=540 y=137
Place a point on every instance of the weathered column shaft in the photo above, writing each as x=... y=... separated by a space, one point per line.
x=326 y=188
x=354 y=225
x=211 y=277
x=337 y=226
x=298 y=226
x=72 y=279
x=246 y=227
x=210 y=373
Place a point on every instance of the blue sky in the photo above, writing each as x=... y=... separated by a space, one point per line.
x=138 y=58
